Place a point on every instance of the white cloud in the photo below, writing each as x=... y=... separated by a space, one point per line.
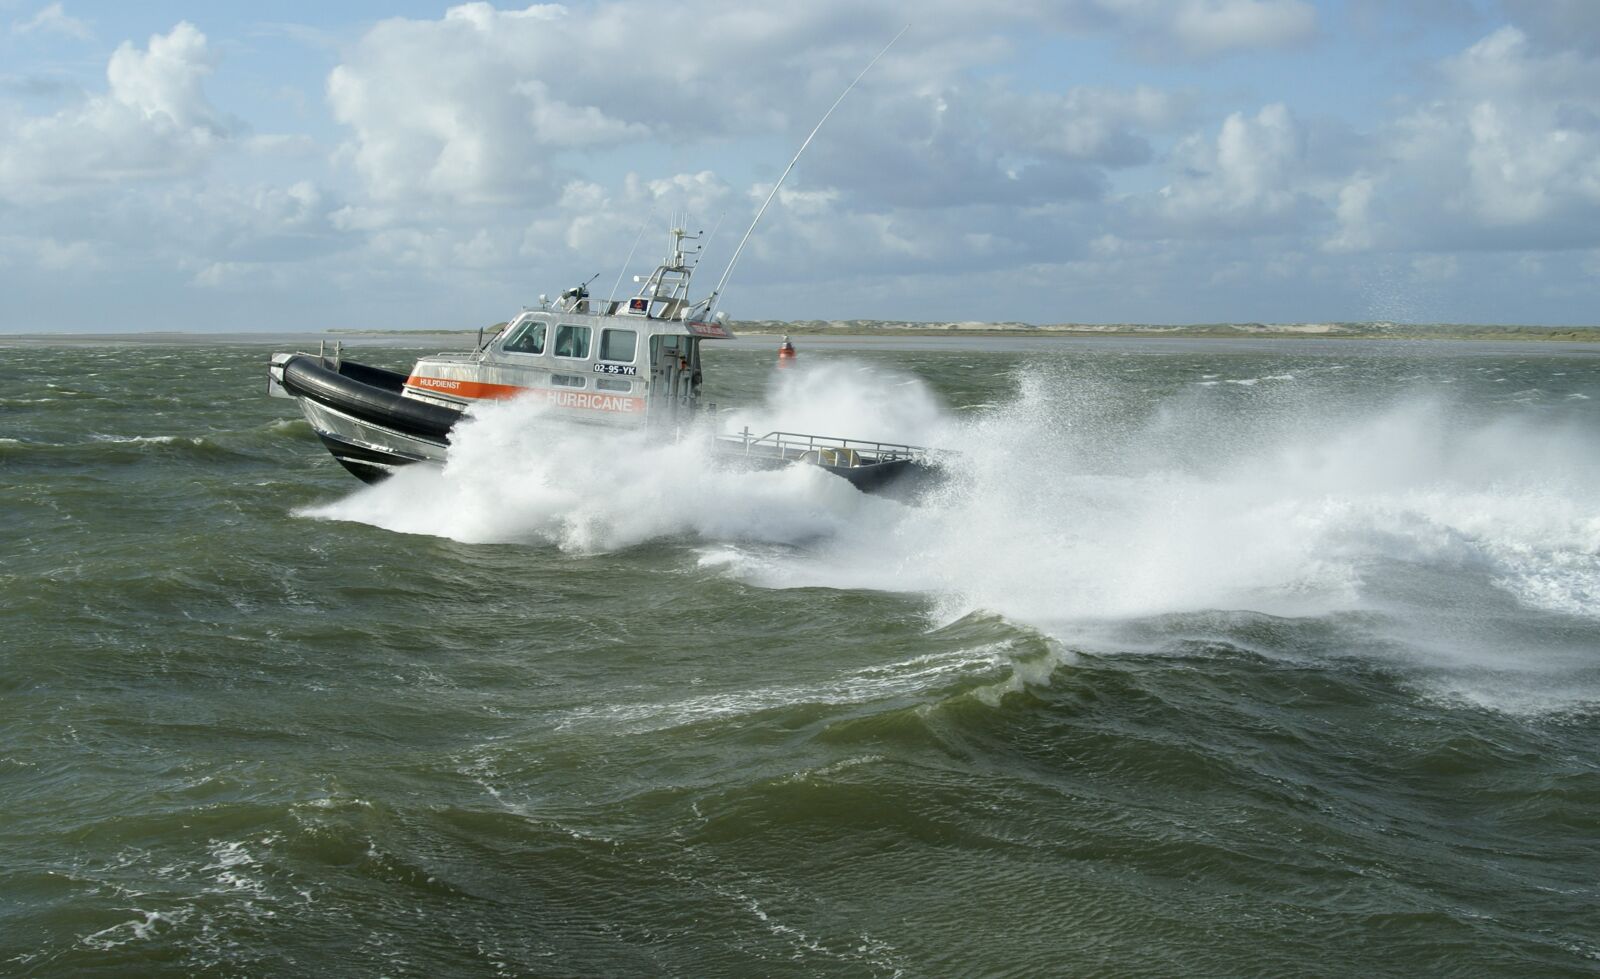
x=1506 y=65
x=1213 y=28
x=485 y=155
x=1098 y=125
x=164 y=79
x=441 y=253
x=153 y=121
x=1528 y=152
x=48 y=253
x=1559 y=24
x=480 y=124
x=1507 y=156
x=1513 y=170
x=590 y=222
x=505 y=111
x=1249 y=179
x=53 y=19
x=289 y=145
x=1354 y=214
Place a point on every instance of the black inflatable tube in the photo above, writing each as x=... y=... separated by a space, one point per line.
x=369 y=393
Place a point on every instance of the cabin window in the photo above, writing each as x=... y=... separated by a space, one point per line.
x=667 y=342
x=673 y=346
x=618 y=345
x=572 y=341
x=613 y=384
x=526 y=339
x=566 y=381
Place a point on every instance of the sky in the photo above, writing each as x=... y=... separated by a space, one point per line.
x=179 y=165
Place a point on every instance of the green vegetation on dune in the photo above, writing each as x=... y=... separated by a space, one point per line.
x=1366 y=331
x=1361 y=331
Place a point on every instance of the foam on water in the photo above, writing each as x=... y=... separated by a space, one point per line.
x=136 y=439
x=516 y=474
x=1072 y=506
x=878 y=682
x=132 y=930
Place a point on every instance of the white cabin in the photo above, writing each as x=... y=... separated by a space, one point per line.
x=619 y=362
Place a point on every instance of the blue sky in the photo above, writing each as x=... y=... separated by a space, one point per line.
x=189 y=166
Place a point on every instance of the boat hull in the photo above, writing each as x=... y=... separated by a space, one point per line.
x=367 y=425
x=361 y=418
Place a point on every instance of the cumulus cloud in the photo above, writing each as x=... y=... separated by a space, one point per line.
x=48 y=253
x=153 y=121
x=962 y=146
x=1098 y=125
x=480 y=123
x=1356 y=228
x=53 y=19
x=165 y=79
x=511 y=95
x=1507 y=156
x=1207 y=28
x=591 y=222
x=943 y=160
x=1381 y=21
x=505 y=114
x=1213 y=27
x=1249 y=179
x=1558 y=24
x=490 y=154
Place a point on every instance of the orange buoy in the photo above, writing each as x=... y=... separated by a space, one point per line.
x=786 y=353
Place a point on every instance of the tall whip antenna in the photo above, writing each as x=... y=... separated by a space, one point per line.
x=624 y=270
x=711 y=300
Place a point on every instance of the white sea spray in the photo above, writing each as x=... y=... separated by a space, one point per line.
x=1067 y=507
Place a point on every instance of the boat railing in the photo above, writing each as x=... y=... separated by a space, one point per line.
x=798 y=445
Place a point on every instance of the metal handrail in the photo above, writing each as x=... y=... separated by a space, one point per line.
x=799 y=443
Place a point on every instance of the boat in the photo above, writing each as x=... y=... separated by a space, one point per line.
x=614 y=363
x=632 y=363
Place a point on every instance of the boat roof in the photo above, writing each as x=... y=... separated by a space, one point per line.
x=661 y=306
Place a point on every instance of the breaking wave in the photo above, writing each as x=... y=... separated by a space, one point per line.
x=1072 y=506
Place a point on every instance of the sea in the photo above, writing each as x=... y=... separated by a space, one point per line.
x=1208 y=657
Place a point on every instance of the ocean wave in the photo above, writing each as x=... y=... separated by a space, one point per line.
x=148 y=925
x=1070 y=504
x=199 y=447
x=964 y=668
x=1253 y=381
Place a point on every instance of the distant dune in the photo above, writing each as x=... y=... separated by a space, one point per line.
x=1365 y=331
x=1371 y=331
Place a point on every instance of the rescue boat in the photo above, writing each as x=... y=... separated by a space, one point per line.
x=630 y=363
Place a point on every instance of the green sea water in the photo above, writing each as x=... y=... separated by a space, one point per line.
x=1211 y=658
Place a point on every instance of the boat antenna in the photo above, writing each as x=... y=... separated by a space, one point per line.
x=711 y=300
x=715 y=228
x=625 y=262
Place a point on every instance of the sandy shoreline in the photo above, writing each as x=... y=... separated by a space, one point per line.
x=889 y=330
x=1296 y=331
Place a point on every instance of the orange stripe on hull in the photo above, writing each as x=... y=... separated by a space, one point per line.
x=472 y=390
x=476 y=390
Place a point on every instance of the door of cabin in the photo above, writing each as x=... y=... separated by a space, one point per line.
x=674 y=370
